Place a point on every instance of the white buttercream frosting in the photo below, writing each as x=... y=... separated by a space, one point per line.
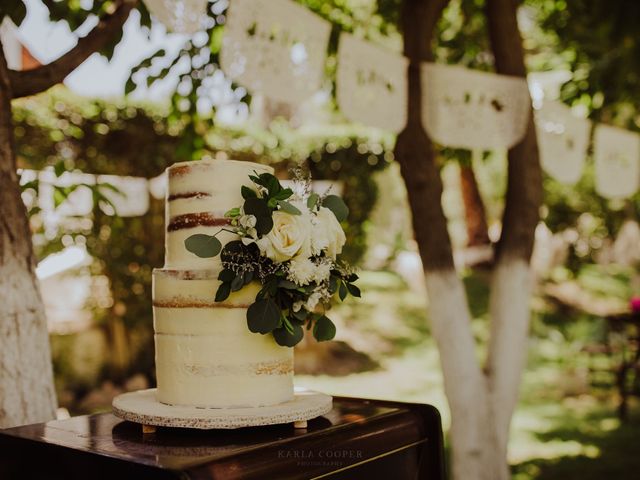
x=205 y=354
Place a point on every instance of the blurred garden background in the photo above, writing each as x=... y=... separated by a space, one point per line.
x=92 y=152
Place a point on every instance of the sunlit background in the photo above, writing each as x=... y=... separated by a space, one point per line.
x=91 y=163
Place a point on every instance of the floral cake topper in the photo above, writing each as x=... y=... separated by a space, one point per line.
x=290 y=243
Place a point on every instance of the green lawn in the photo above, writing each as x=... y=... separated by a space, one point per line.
x=563 y=428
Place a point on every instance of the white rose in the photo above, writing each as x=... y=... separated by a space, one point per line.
x=301 y=270
x=328 y=235
x=290 y=236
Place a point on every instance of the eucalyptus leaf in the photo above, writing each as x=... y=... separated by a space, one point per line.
x=285 y=338
x=324 y=329
x=288 y=208
x=204 y=246
x=337 y=206
x=263 y=316
x=312 y=201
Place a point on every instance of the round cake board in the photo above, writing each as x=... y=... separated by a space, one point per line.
x=143 y=408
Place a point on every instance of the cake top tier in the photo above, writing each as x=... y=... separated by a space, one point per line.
x=182 y=168
x=217 y=180
x=199 y=194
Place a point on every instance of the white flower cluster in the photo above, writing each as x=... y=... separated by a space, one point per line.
x=298 y=238
x=309 y=242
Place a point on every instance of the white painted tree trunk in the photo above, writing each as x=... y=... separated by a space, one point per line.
x=26 y=378
x=509 y=308
x=27 y=394
x=481 y=403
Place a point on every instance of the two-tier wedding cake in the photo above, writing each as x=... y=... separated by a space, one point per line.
x=205 y=355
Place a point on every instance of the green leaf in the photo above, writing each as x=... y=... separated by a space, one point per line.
x=285 y=338
x=342 y=291
x=223 y=292
x=130 y=86
x=234 y=212
x=248 y=192
x=287 y=324
x=237 y=283
x=288 y=208
x=226 y=275
x=337 y=206
x=283 y=194
x=59 y=168
x=204 y=246
x=353 y=290
x=312 y=201
x=263 y=316
x=288 y=284
x=333 y=284
x=216 y=39
x=301 y=314
x=270 y=182
x=324 y=329
x=259 y=208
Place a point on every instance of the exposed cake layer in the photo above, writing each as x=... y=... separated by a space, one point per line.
x=198 y=196
x=196 y=288
x=207 y=357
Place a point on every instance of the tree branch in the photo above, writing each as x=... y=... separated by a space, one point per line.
x=30 y=82
x=524 y=188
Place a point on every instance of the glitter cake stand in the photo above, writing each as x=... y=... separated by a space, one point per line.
x=143 y=408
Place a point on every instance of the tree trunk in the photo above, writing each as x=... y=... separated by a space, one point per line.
x=511 y=283
x=465 y=383
x=481 y=402
x=474 y=212
x=27 y=394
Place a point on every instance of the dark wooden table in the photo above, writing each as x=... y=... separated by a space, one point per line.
x=358 y=439
x=623 y=342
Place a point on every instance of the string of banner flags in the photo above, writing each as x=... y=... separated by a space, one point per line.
x=266 y=52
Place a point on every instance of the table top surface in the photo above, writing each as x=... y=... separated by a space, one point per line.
x=180 y=449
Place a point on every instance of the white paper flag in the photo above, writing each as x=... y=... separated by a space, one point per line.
x=132 y=197
x=371 y=84
x=563 y=140
x=179 y=16
x=78 y=202
x=617 y=161
x=466 y=108
x=275 y=47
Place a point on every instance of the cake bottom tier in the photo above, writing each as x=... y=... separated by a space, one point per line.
x=207 y=357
